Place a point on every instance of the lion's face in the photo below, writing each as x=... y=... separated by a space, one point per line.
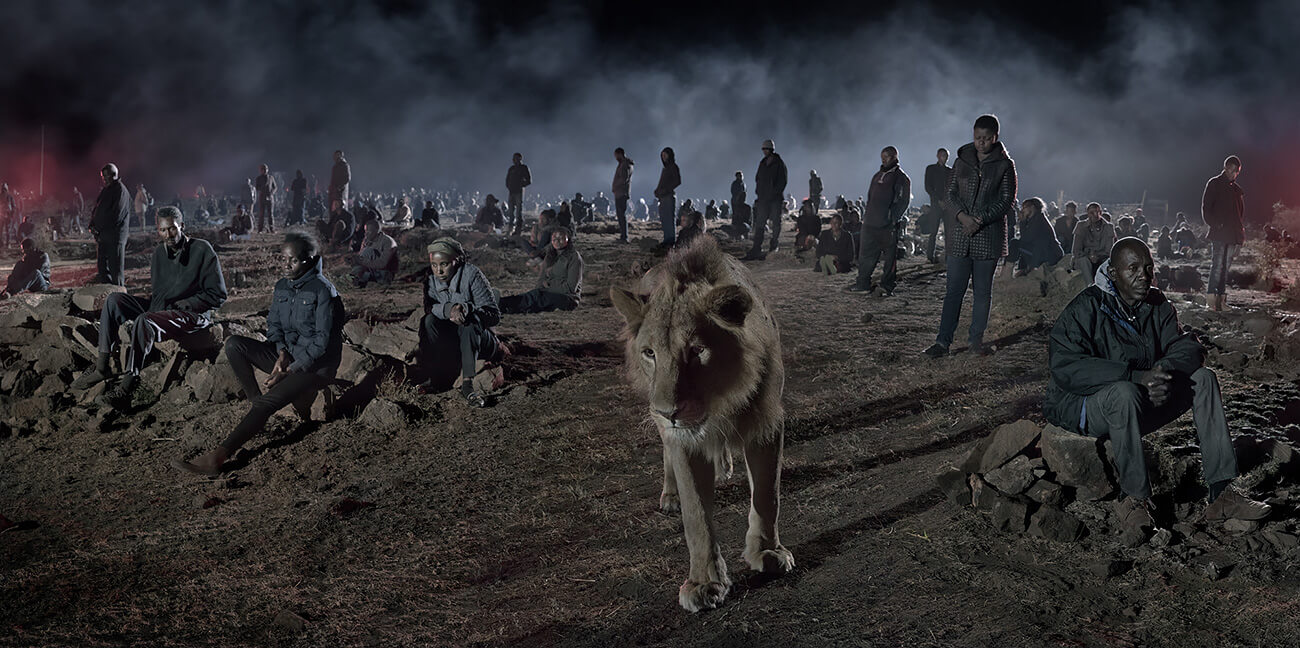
x=687 y=351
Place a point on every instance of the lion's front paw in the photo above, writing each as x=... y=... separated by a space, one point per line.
x=702 y=596
x=771 y=561
x=669 y=503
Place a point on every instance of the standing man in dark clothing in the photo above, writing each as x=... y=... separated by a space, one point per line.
x=31 y=273
x=980 y=192
x=78 y=210
x=622 y=190
x=517 y=177
x=265 y=186
x=8 y=214
x=187 y=286
x=887 y=200
x=769 y=197
x=1222 y=209
x=303 y=347
x=298 y=189
x=1065 y=224
x=936 y=185
x=340 y=178
x=108 y=224
x=666 y=191
x=1122 y=367
x=738 y=189
x=815 y=189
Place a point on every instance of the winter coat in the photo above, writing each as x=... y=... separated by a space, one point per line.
x=112 y=209
x=1098 y=340
x=769 y=181
x=306 y=319
x=1222 y=208
x=518 y=177
x=841 y=248
x=562 y=273
x=340 y=177
x=188 y=280
x=887 y=198
x=936 y=183
x=36 y=262
x=1038 y=244
x=737 y=192
x=469 y=287
x=985 y=191
x=622 y=187
x=815 y=187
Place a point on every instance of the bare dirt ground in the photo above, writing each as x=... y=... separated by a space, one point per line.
x=534 y=522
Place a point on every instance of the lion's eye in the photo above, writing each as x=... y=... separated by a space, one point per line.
x=648 y=353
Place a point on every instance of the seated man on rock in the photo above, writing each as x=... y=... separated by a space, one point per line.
x=1122 y=367
x=559 y=285
x=303 y=347
x=377 y=260
x=187 y=286
x=30 y=273
x=460 y=311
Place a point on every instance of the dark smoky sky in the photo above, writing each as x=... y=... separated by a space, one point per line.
x=1099 y=101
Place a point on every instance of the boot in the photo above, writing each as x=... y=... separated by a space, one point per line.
x=95 y=376
x=120 y=395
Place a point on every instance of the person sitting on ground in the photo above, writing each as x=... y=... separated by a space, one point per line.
x=693 y=225
x=377 y=260
x=835 y=253
x=1165 y=245
x=741 y=213
x=460 y=311
x=1124 y=227
x=490 y=219
x=1093 y=238
x=1141 y=228
x=241 y=225
x=711 y=212
x=338 y=230
x=563 y=218
x=188 y=286
x=1038 y=245
x=1122 y=367
x=30 y=273
x=559 y=285
x=302 y=351
x=808 y=226
x=403 y=218
x=1186 y=239
x=429 y=217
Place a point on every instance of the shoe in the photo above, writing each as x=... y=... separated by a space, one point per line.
x=1235 y=506
x=880 y=292
x=89 y=379
x=981 y=349
x=475 y=399
x=858 y=288
x=753 y=256
x=772 y=249
x=121 y=394
x=936 y=350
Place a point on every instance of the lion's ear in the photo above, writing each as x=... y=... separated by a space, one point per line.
x=730 y=305
x=630 y=305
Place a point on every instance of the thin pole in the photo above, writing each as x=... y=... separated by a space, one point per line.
x=41 y=190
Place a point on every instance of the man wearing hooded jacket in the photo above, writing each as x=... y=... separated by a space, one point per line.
x=769 y=194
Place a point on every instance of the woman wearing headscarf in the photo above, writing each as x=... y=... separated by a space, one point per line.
x=460 y=311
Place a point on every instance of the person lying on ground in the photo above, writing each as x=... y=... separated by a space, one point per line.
x=835 y=253
x=1122 y=367
x=378 y=260
x=559 y=284
x=303 y=347
x=187 y=286
x=31 y=273
x=460 y=311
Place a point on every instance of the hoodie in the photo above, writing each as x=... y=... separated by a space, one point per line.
x=1099 y=340
x=670 y=178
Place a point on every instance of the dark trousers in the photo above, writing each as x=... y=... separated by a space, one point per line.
x=298 y=388
x=667 y=215
x=964 y=272
x=877 y=243
x=297 y=213
x=766 y=212
x=1123 y=412
x=149 y=328
x=441 y=340
x=515 y=212
x=110 y=257
x=620 y=210
x=265 y=216
x=537 y=301
x=937 y=221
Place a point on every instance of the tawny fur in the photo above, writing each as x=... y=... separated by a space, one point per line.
x=704 y=349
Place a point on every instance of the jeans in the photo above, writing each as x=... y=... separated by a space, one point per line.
x=876 y=243
x=537 y=301
x=298 y=388
x=667 y=216
x=1123 y=412
x=32 y=282
x=620 y=209
x=963 y=272
x=149 y=328
x=1221 y=255
x=515 y=212
x=767 y=212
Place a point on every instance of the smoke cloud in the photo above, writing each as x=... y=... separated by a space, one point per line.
x=441 y=94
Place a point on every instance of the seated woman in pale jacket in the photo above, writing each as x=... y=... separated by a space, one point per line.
x=559 y=285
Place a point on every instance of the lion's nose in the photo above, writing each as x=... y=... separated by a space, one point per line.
x=671 y=415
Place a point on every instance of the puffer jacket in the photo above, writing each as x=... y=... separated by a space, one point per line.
x=1098 y=340
x=985 y=191
x=769 y=181
x=306 y=319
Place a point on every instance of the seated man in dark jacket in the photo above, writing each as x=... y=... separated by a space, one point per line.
x=490 y=219
x=303 y=347
x=187 y=286
x=559 y=285
x=30 y=273
x=1037 y=243
x=1122 y=367
x=460 y=311
x=693 y=225
x=835 y=253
